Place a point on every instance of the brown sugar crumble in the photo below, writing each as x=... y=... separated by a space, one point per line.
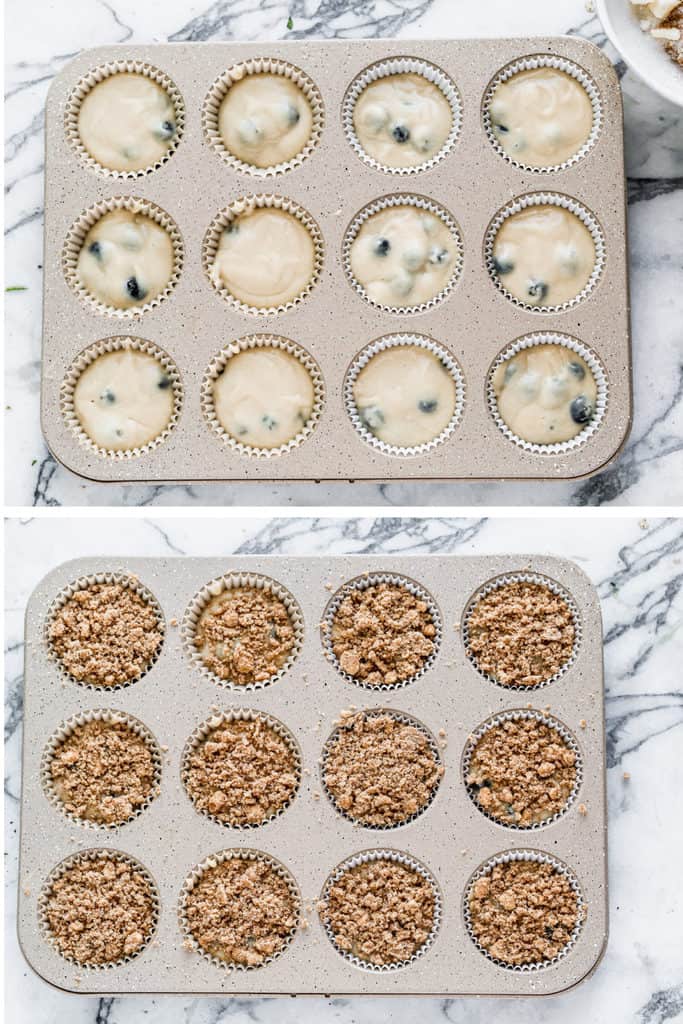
x=521 y=634
x=105 y=634
x=100 y=911
x=244 y=635
x=103 y=772
x=241 y=911
x=381 y=911
x=242 y=772
x=379 y=770
x=382 y=635
x=523 y=912
x=522 y=772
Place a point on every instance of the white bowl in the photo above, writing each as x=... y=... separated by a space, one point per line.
x=643 y=54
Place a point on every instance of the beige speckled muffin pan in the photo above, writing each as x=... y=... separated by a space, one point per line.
x=451 y=839
x=474 y=320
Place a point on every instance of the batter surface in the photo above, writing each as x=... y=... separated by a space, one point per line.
x=264 y=397
x=127 y=122
x=124 y=399
x=265 y=120
x=541 y=117
x=402 y=120
x=126 y=259
x=545 y=394
x=403 y=256
x=405 y=395
x=266 y=257
x=544 y=255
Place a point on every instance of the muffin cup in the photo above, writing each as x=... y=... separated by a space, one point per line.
x=539 y=858
x=66 y=729
x=544 y=60
x=249 y=203
x=385 y=203
x=599 y=376
x=93 y=78
x=367 y=857
x=546 y=199
x=515 y=716
x=216 y=368
x=205 y=729
x=401 y=66
x=76 y=238
x=96 y=854
x=394 y=341
x=85 y=359
x=404 y=719
x=258 y=66
x=220 y=858
x=229 y=582
x=523 y=577
x=362 y=583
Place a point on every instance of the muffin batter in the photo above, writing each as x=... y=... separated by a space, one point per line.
x=541 y=117
x=403 y=256
x=126 y=259
x=266 y=258
x=402 y=120
x=544 y=255
x=127 y=122
x=264 y=397
x=124 y=399
x=405 y=395
x=545 y=394
x=265 y=120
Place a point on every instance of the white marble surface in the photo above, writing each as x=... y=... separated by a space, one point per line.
x=638 y=570
x=42 y=35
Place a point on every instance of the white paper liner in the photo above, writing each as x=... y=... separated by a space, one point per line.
x=523 y=577
x=82 y=583
x=407 y=861
x=544 y=60
x=259 y=66
x=546 y=199
x=540 y=858
x=216 y=368
x=404 y=719
x=401 y=66
x=66 y=729
x=61 y=869
x=228 y=582
x=599 y=376
x=362 y=583
x=220 y=858
x=421 y=203
x=76 y=237
x=513 y=716
x=246 y=204
x=381 y=345
x=93 y=78
x=204 y=730
x=88 y=356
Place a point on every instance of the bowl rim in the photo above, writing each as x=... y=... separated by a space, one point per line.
x=630 y=55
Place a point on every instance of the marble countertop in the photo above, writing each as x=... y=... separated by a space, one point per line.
x=41 y=39
x=638 y=571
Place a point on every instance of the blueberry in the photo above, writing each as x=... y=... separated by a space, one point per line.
x=293 y=115
x=537 y=290
x=108 y=396
x=134 y=290
x=96 y=249
x=510 y=371
x=581 y=410
x=372 y=417
x=164 y=382
x=437 y=255
x=577 y=369
x=241 y=431
x=382 y=246
x=502 y=129
x=118 y=432
x=427 y=404
x=400 y=133
x=166 y=131
x=268 y=422
x=548 y=931
x=232 y=228
x=502 y=266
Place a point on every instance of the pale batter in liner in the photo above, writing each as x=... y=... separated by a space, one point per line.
x=544 y=255
x=265 y=120
x=127 y=122
x=402 y=120
x=545 y=394
x=541 y=117
x=264 y=397
x=405 y=396
x=126 y=259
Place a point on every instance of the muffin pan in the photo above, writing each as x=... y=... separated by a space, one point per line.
x=332 y=182
x=451 y=839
